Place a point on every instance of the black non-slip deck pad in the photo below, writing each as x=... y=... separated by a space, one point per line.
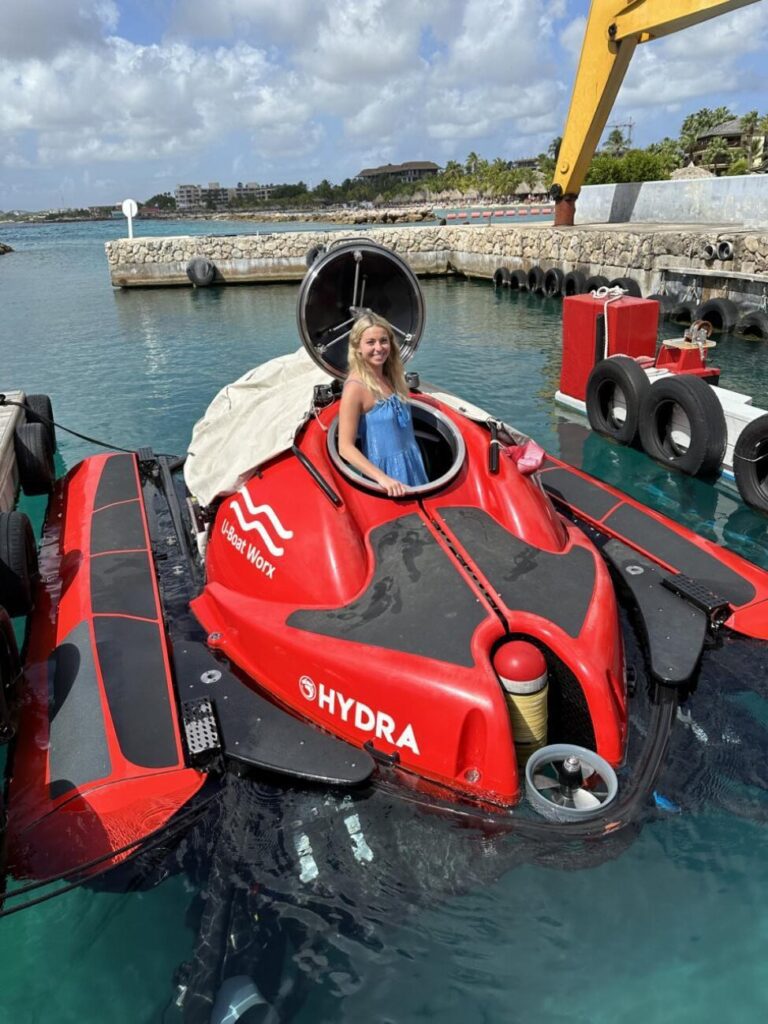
x=675 y=630
x=558 y=587
x=641 y=529
x=130 y=656
x=121 y=584
x=78 y=751
x=117 y=528
x=118 y=481
x=591 y=499
x=417 y=601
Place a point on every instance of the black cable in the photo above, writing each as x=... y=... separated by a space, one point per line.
x=4 y=400
x=148 y=842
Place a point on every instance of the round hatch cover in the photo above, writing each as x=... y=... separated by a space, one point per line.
x=354 y=277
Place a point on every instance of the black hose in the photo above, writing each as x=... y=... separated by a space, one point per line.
x=148 y=842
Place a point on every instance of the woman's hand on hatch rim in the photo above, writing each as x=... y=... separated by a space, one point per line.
x=394 y=488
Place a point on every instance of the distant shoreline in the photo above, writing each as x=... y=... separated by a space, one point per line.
x=340 y=215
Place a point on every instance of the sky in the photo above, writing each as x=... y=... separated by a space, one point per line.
x=105 y=99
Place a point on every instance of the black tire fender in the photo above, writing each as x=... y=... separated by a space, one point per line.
x=595 y=282
x=683 y=312
x=518 y=281
x=612 y=378
x=39 y=410
x=201 y=271
x=753 y=323
x=553 y=281
x=574 y=283
x=666 y=303
x=18 y=563
x=313 y=253
x=535 y=279
x=34 y=459
x=721 y=313
x=750 y=463
x=501 y=277
x=10 y=667
x=693 y=399
x=627 y=284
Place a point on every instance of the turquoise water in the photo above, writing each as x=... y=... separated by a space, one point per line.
x=444 y=924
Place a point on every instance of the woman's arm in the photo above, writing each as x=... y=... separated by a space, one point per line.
x=349 y=419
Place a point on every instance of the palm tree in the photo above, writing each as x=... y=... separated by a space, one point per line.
x=553 y=150
x=717 y=156
x=615 y=144
x=699 y=122
x=748 y=130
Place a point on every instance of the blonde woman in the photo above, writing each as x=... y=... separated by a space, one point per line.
x=375 y=409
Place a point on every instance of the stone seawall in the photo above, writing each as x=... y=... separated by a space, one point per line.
x=659 y=256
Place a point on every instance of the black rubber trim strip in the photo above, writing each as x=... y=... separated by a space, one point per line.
x=317 y=476
x=118 y=481
x=130 y=656
x=79 y=753
x=417 y=601
x=558 y=587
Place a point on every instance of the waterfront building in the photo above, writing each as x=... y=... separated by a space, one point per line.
x=413 y=170
x=198 y=197
x=735 y=136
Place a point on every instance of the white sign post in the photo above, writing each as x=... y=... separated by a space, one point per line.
x=130 y=209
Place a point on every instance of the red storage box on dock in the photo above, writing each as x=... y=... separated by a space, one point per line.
x=632 y=326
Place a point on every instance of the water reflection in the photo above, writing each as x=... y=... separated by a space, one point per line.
x=714 y=511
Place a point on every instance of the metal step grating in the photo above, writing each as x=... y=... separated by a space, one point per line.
x=200 y=728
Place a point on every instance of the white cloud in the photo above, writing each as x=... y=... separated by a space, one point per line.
x=572 y=36
x=260 y=88
x=699 y=62
x=127 y=102
x=40 y=28
x=267 y=21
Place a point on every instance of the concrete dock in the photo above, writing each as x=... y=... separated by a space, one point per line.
x=667 y=256
x=10 y=418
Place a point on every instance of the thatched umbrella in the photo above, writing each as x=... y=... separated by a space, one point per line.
x=523 y=189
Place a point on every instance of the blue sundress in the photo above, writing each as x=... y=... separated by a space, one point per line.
x=386 y=438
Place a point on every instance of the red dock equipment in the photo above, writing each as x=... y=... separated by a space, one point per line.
x=594 y=328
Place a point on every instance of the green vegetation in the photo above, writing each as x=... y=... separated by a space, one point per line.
x=162 y=201
x=615 y=162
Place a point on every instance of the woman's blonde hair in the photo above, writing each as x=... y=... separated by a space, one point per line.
x=393 y=367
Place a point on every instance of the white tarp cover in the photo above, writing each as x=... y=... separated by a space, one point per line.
x=256 y=418
x=249 y=422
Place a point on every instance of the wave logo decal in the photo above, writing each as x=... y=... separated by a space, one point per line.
x=259 y=518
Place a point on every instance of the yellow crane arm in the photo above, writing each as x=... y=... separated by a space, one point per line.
x=614 y=29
